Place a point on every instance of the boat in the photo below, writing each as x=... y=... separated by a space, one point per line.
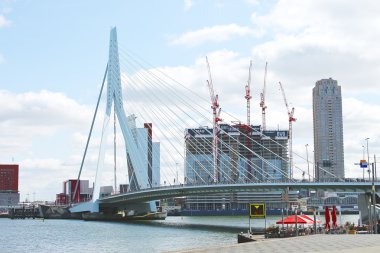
x=121 y=217
x=249 y=237
x=4 y=215
x=148 y=216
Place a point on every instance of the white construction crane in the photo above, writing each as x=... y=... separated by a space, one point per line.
x=216 y=113
x=262 y=102
x=291 y=120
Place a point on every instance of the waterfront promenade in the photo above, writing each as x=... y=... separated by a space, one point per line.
x=302 y=244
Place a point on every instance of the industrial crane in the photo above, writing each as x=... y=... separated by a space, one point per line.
x=216 y=113
x=291 y=120
x=249 y=144
x=262 y=102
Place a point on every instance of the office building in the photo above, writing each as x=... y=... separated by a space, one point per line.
x=234 y=154
x=234 y=165
x=82 y=194
x=328 y=130
x=9 y=195
x=150 y=155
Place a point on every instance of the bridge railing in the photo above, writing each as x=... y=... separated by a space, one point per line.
x=272 y=181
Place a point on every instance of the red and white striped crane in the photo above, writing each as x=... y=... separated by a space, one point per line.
x=249 y=144
x=216 y=113
x=248 y=95
x=291 y=120
x=262 y=102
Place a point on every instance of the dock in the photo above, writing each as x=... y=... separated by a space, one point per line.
x=320 y=243
x=24 y=212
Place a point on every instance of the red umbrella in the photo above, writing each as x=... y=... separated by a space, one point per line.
x=327 y=218
x=333 y=217
x=292 y=220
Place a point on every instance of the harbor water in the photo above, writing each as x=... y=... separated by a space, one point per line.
x=174 y=233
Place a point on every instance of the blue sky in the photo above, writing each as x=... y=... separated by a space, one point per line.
x=53 y=55
x=62 y=45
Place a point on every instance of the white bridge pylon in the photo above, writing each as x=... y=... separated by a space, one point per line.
x=137 y=157
x=127 y=124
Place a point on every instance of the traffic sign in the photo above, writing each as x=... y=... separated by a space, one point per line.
x=363 y=164
x=257 y=210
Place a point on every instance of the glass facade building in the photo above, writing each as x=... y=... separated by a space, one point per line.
x=261 y=158
x=328 y=130
x=268 y=159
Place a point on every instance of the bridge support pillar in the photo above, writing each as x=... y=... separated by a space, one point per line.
x=92 y=207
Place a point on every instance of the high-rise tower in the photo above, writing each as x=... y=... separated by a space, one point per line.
x=328 y=130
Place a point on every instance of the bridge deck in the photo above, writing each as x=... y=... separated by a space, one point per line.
x=189 y=190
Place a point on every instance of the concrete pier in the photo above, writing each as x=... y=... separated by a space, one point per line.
x=313 y=243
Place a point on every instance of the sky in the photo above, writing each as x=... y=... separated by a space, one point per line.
x=53 y=56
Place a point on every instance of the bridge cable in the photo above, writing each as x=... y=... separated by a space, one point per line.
x=89 y=135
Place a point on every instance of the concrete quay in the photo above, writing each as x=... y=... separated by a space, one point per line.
x=302 y=244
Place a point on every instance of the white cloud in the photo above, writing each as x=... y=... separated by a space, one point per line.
x=212 y=34
x=4 y=22
x=219 y=4
x=230 y=72
x=309 y=40
x=252 y=2
x=188 y=4
x=36 y=130
x=318 y=38
x=304 y=41
x=44 y=109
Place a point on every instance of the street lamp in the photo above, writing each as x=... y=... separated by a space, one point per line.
x=363 y=159
x=369 y=170
x=374 y=198
x=307 y=160
x=176 y=168
x=374 y=216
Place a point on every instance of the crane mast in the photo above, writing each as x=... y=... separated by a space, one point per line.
x=262 y=102
x=248 y=95
x=216 y=113
x=291 y=120
x=249 y=144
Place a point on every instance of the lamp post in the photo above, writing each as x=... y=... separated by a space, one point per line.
x=363 y=159
x=369 y=170
x=176 y=168
x=307 y=160
x=313 y=166
x=374 y=216
x=369 y=179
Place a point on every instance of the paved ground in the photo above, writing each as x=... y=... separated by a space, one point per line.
x=302 y=244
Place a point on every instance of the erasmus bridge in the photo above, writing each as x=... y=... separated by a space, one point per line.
x=153 y=153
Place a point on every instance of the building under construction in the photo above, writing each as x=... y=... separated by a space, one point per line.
x=262 y=157
x=239 y=153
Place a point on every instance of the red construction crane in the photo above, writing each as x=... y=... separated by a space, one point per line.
x=262 y=102
x=249 y=144
x=291 y=120
x=248 y=95
x=216 y=119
